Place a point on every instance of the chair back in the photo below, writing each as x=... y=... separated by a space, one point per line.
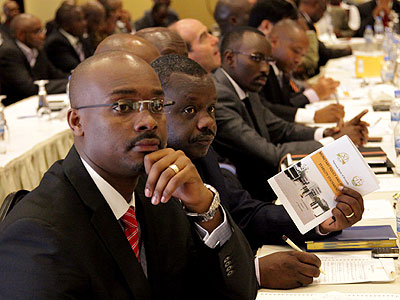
x=10 y=201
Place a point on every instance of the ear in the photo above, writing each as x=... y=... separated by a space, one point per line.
x=266 y=27
x=228 y=57
x=20 y=35
x=74 y=122
x=274 y=41
x=232 y=20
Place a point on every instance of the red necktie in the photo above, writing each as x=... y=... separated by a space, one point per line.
x=131 y=230
x=294 y=86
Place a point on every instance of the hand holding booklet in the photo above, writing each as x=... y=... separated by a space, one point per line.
x=308 y=188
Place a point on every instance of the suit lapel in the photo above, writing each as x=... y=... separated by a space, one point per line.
x=106 y=226
x=258 y=109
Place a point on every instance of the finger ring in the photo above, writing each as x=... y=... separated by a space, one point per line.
x=350 y=215
x=174 y=168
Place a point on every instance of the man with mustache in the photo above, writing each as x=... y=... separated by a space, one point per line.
x=191 y=128
x=98 y=228
x=249 y=135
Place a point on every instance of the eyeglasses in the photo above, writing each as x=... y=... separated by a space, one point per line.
x=38 y=31
x=126 y=106
x=256 y=57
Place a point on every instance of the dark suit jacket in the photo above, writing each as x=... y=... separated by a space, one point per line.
x=283 y=102
x=61 y=53
x=63 y=241
x=262 y=223
x=17 y=76
x=367 y=17
x=256 y=155
x=326 y=53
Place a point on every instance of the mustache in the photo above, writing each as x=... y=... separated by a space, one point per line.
x=207 y=134
x=146 y=135
x=263 y=75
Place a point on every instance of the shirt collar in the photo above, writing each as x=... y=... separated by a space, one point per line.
x=30 y=53
x=117 y=203
x=239 y=91
x=73 y=40
x=277 y=71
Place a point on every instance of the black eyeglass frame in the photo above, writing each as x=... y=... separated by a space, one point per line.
x=131 y=103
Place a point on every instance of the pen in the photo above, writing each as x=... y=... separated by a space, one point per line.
x=297 y=248
x=336 y=97
x=376 y=122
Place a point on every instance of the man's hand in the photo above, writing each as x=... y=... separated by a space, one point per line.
x=325 y=87
x=329 y=114
x=356 y=129
x=349 y=203
x=163 y=182
x=288 y=269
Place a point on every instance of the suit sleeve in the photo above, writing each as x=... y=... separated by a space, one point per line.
x=285 y=112
x=299 y=100
x=326 y=53
x=38 y=269
x=235 y=134
x=60 y=55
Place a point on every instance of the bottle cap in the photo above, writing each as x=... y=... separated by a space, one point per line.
x=397 y=93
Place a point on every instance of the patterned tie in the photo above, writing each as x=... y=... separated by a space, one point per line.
x=131 y=230
x=294 y=86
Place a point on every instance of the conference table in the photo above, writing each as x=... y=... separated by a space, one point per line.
x=34 y=143
x=356 y=94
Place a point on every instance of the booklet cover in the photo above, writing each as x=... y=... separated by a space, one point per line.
x=307 y=188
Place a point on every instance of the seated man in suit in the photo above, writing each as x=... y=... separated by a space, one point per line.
x=281 y=94
x=10 y=10
x=202 y=46
x=191 y=128
x=164 y=39
x=130 y=43
x=22 y=61
x=98 y=227
x=249 y=134
x=312 y=11
x=65 y=46
x=95 y=15
x=231 y=13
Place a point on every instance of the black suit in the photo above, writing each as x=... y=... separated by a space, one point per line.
x=283 y=102
x=255 y=145
x=62 y=241
x=366 y=15
x=62 y=54
x=326 y=53
x=262 y=223
x=17 y=76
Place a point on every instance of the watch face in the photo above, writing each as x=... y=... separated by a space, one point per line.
x=208 y=215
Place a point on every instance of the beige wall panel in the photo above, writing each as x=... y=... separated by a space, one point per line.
x=43 y=9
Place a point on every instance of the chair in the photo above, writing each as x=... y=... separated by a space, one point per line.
x=10 y=201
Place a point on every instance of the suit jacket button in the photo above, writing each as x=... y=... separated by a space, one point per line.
x=227 y=258
x=227 y=263
x=230 y=273
x=229 y=268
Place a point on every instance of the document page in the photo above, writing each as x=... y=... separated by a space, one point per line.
x=325 y=296
x=341 y=269
x=378 y=209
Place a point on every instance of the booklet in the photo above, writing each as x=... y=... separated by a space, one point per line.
x=307 y=189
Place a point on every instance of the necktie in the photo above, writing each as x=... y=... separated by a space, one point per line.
x=131 y=230
x=247 y=104
x=294 y=86
x=79 y=50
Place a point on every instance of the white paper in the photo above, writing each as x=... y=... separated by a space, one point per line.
x=342 y=269
x=326 y=296
x=307 y=189
x=378 y=209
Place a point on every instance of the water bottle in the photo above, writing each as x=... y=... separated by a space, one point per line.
x=368 y=37
x=395 y=109
x=379 y=28
x=396 y=198
x=396 y=133
x=3 y=127
x=387 y=70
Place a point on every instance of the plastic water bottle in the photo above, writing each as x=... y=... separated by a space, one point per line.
x=387 y=70
x=3 y=127
x=396 y=133
x=378 y=27
x=368 y=37
x=395 y=109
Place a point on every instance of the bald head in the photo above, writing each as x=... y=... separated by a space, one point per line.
x=231 y=13
x=289 y=43
x=164 y=39
x=28 y=29
x=129 y=43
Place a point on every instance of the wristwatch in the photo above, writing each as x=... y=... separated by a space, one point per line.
x=208 y=215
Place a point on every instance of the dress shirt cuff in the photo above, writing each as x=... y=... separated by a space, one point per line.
x=257 y=268
x=219 y=236
x=317 y=231
x=319 y=136
x=304 y=115
x=311 y=95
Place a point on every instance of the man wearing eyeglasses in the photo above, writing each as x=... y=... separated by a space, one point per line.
x=249 y=135
x=106 y=222
x=22 y=61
